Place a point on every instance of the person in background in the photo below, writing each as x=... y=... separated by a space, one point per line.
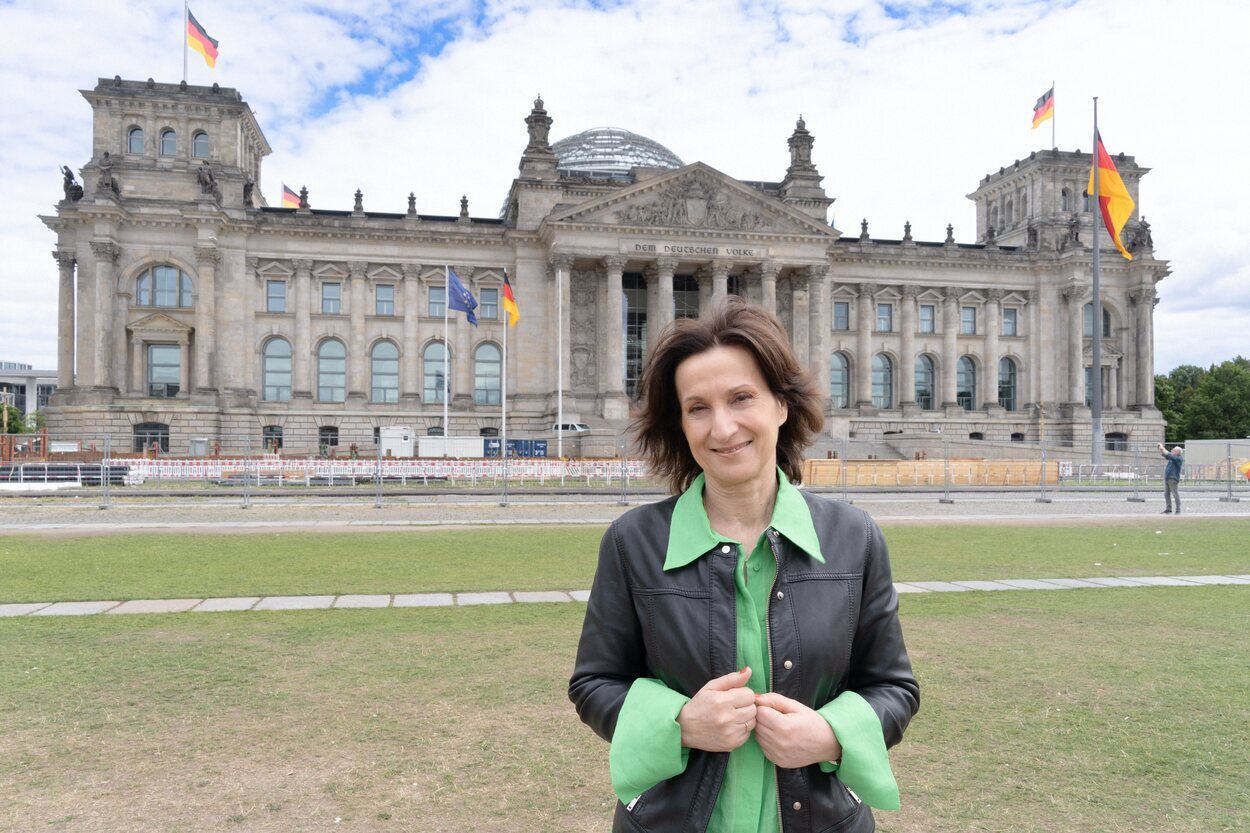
x=741 y=650
x=1172 y=477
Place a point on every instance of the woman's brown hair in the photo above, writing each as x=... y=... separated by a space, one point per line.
x=730 y=322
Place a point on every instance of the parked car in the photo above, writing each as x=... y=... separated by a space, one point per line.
x=569 y=427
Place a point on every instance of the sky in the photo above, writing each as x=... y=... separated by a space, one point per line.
x=911 y=104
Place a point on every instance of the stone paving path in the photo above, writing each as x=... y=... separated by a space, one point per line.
x=551 y=596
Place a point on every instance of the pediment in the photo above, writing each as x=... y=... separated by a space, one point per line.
x=694 y=197
x=159 y=322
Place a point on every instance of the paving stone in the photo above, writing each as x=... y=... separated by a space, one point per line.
x=903 y=587
x=483 y=599
x=74 y=608
x=226 y=605
x=1071 y=582
x=580 y=595
x=424 y=600
x=1115 y=581
x=939 y=586
x=21 y=609
x=354 y=601
x=1032 y=584
x=542 y=596
x=1165 y=581
x=156 y=606
x=294 y=603
x=983 y=585
x=1215 y=579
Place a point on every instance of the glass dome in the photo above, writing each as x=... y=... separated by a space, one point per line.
x=610 y=152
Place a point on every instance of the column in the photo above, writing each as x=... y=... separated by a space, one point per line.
x=1072 y=296
x=1143 y=300
x=907 y=352
x=301 y=358
x=207 y=258
x=950 y=358
x=866 y=319
x=357 y=359
x=462 y=357
x=184 y=369
x=768 y=285
x=65 y=321
x=800 y=332
x=612 y=354
x=1034 y=347
x=85 y=331
x=561 y=272
x=250 y=287
x=720 y=279
x=664 y=268
x=136 y=366
x=703 y=277
x=818 y=326
x=106 y=255
x=1113 y=387
x=410 y=361
x=993 y=326
x=121 y=311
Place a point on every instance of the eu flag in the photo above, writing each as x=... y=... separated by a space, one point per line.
x=459 y=298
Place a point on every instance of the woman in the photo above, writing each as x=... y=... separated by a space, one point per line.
x=741 y=650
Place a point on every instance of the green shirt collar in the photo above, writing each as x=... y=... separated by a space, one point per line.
x=690 y=534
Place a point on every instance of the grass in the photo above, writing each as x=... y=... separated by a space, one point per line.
x=1106 y=710
x=147 y=566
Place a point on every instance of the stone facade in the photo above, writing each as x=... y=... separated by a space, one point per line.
x=187 y=302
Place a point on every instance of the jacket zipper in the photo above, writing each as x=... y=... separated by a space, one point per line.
x=772 y=660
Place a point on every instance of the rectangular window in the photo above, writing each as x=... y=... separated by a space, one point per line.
x=42 y=392
x=384 y=299
x=15 y=394
x=275 y=296
x=164 y=370
x=331 y=298
x=438 y=297
x=928 y=318
x=842 y=316
x=968 y=321
x=1009 y=322
x=488 y=304
x=885 y=318
x=685 y=296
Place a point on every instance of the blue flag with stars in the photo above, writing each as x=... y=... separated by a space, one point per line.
x=459 y=298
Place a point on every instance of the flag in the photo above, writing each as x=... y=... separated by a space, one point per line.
x=1114 y=202
x=1245 y=469
x=459 y=298
x=290 y=199
x=1044 y=108
x=509 y=301
x=200 y=41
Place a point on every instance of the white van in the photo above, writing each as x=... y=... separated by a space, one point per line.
x=569 y=427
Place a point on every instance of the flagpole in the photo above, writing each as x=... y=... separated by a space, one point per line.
x=446 y=350
x=560 y=362
x=1052 y=115
x=503 y=400
x=185 y=12
x=1096 y=370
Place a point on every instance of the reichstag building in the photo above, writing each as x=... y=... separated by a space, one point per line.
x=191 y=308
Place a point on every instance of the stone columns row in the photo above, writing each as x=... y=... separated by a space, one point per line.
x=357 y=360
x=863 y=343
x=207 y=258
x=950 y=358
x=993 y=326
x=1073 y=296
x=65 y=320
x=1143 y=300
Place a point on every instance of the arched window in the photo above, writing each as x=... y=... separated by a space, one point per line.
x=434 y=370
x=169 y=142
x=331 y=371
x=134 y=140
x=1011 y=212
x=839 y=380
x=1007 y=383
x=966 y=383
x=276 y=370
x=1087 y=321
x=199 y=145
x=994 y=217
x=151 y=435
x=163 y=286
x=1024 y=206
x=384 y=372
x=486 y=370
x=1064 y=200
x=1085 y=201
x=882 y=381
x=924 y=382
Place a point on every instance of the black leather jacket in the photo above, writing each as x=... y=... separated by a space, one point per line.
x=832 y=627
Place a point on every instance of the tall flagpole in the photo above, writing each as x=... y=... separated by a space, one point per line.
x=503 y=399
x=1052 y=114
x=446 y=351
x=1096 y=371
x=185 y=12
x=560 y=362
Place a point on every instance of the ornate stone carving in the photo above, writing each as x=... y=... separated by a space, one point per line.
x=359 y=206
x=995 y=295
x=907 y=232
x=106 y=251
x=1141 y=239
x=412 y=204
x=950 y=234
x=769 y=269
x=1142 y=294
x=953 y=293
x=868 y=290
x=538 y=123
x=253 y=264
x=614 y=262
x=560 y=260
x=800 y=143
x=208 y=180
x=909 y=290
x=584 y=331
x=357 y=268
x=1072 y=294
x=73 y=191
x=207 y=255
x=64 y=259
x=302 y=266
x=412 y=271
x=863 y=229
x=693 y=202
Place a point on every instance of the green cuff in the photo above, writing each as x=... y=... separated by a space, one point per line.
x=865 y=766
x=646 y=746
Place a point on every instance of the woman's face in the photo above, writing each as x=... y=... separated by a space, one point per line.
x=729 y=416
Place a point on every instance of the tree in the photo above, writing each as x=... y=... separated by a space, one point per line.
x=14 y=419
x=1219 y=407
x=1172 y=395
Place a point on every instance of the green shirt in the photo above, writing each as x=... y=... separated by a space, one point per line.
x=646 y=747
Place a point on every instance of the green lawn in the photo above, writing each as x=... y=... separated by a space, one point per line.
x=182 y=565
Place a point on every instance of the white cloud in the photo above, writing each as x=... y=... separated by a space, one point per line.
x=910 y=110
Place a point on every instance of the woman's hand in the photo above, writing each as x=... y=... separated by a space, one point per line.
x=720 y=716
x=792 y=735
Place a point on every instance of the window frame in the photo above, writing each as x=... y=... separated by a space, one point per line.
x=842 y=316
x=327 y=391
x=927 y=325
x=271 y=297
x=434 y=371
x=136 y=132
x=927 y=376
x=1010 y=314
x=966 y=383
x=840 y=377
x=171 y=135
x=1008 y=383
x=271 y=377
x=195 y=144
x=387 y=393
x=885 y=315
x=436 y=301
x=967 y=321
x=487 y=386
x=882 y=381
x=150 y=375
x=488 y=303
x=331 y=298
x=381 y=305
x=143 y=433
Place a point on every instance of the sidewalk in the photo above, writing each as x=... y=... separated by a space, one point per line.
x=272 y=603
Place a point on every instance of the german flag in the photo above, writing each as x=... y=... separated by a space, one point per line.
x=1114 y=202
x=1044 y=108
x=290 y=199
x=509 y=301
x=200 y=41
